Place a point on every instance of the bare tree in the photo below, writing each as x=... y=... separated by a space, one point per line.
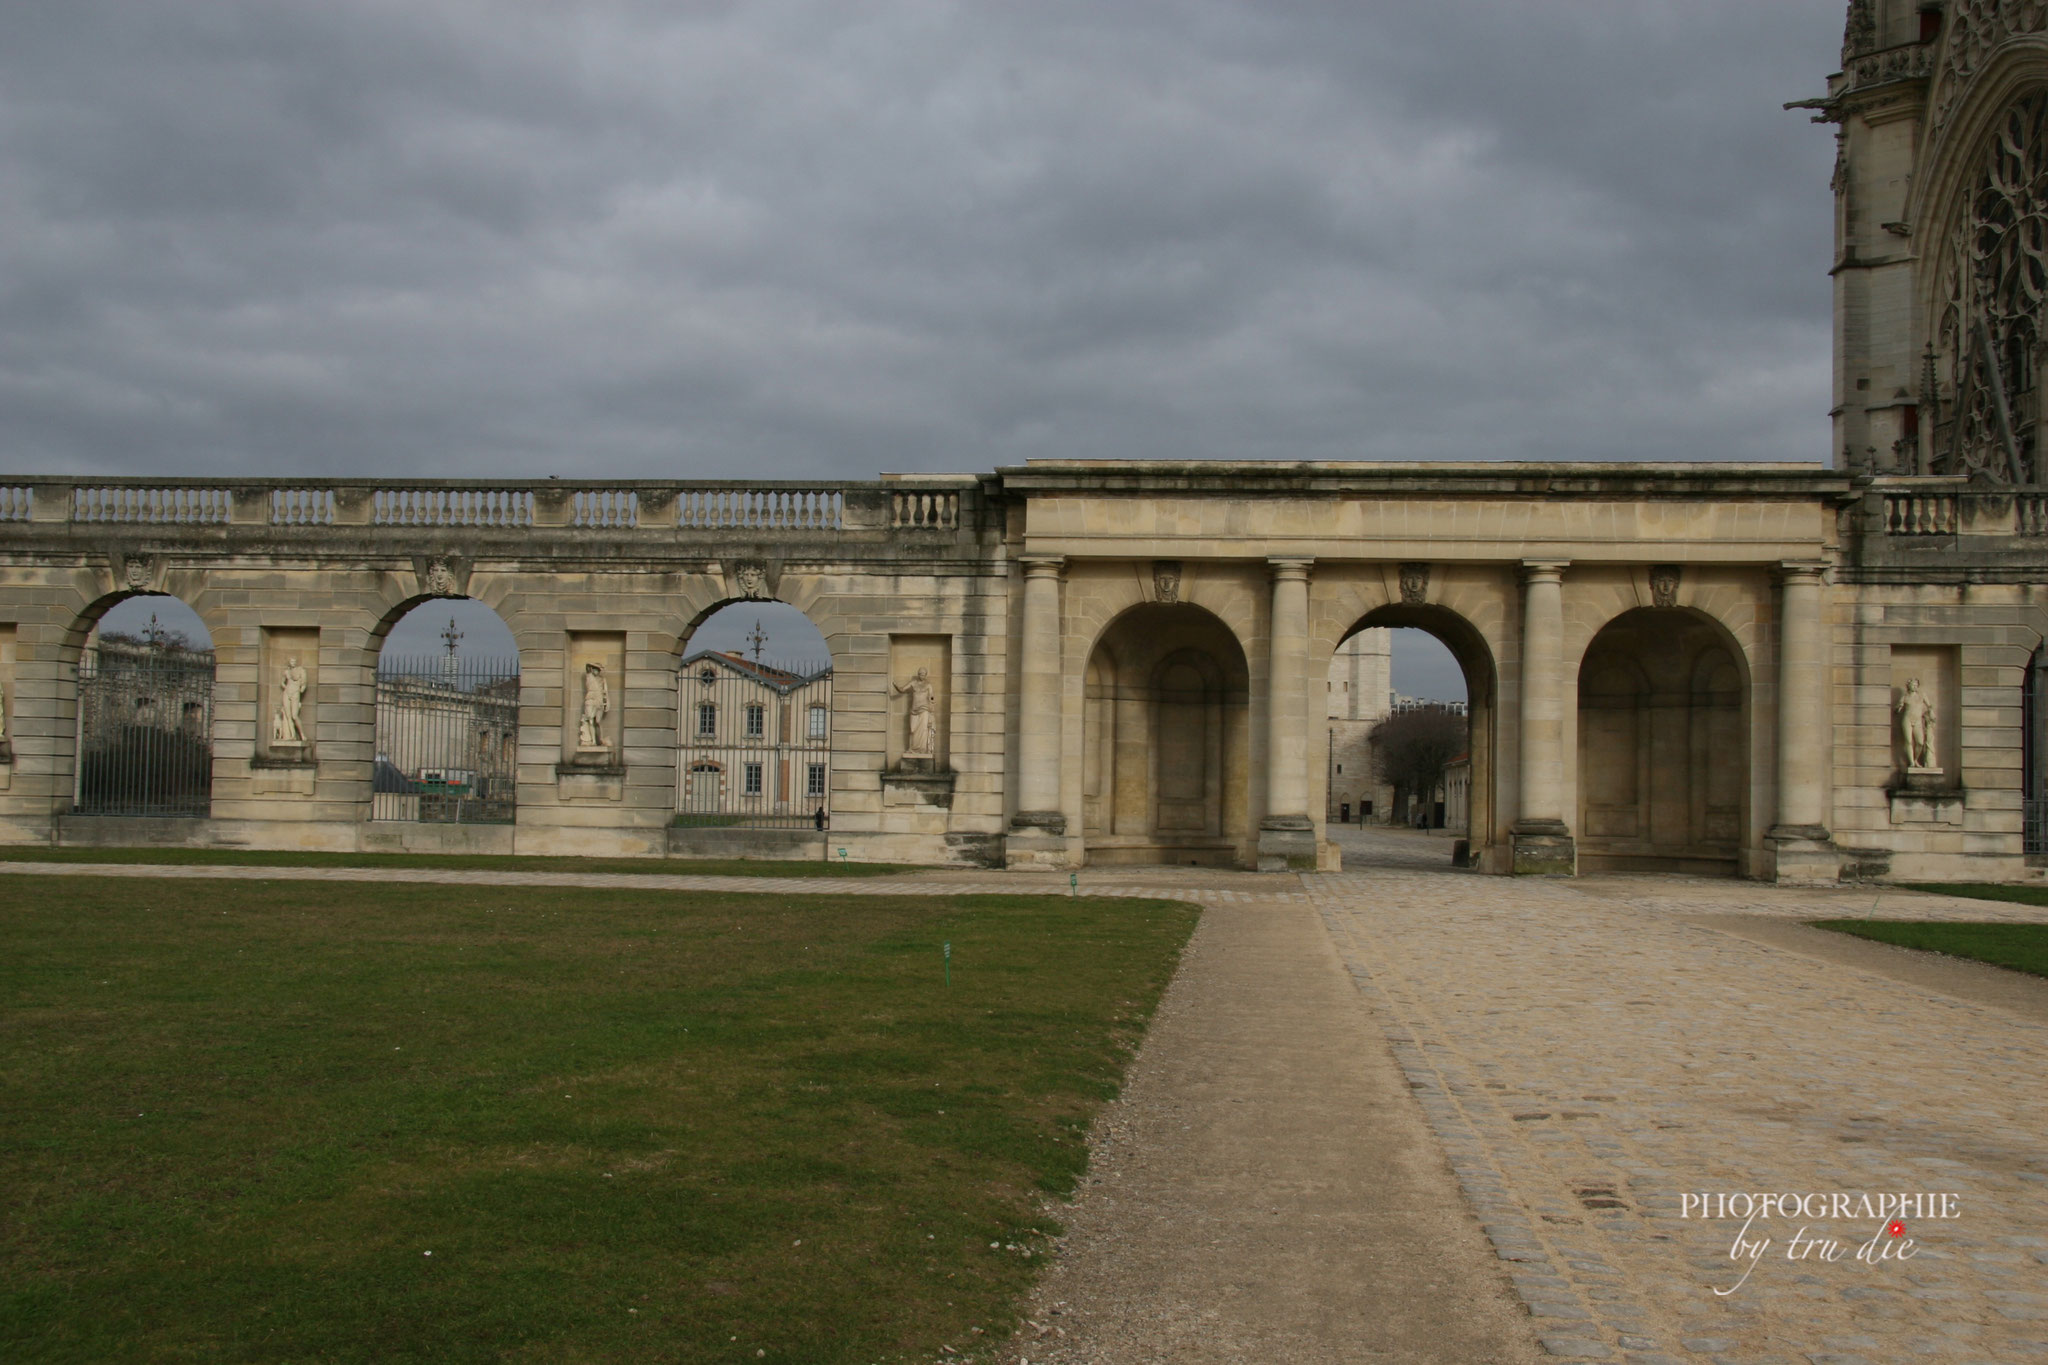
x=1412 y=748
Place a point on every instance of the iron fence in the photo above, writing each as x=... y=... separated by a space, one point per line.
x=447 y=740
x=754 y=743
x=145 y=731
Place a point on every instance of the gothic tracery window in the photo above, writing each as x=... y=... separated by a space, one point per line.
x=1988 y=327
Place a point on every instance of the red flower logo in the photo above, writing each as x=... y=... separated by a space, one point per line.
x=1897 y=1229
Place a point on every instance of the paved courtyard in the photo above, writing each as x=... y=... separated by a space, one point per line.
x=1407 y=1113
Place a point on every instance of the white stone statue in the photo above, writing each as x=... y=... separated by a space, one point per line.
x=3 y=714
x=597 y=702
x=1916 y=726
x=286 y=723
x=923 y=739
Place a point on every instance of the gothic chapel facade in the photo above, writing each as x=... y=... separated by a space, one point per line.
x=1797 y=671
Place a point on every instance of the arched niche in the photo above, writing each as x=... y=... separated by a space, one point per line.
x=1475 y=661
x=1165 y=740
x=1663 y=745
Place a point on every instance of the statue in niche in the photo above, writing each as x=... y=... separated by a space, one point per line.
x=597 y=703
x=287 y=724
x=922 y=741
x=1916 y=727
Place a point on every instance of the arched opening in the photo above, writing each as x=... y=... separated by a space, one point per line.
x=754 y=719
x=1165 y=741
x=145 y=712
x=447 y=714
x=2034 y=754
x=1663 y=746
x=1411 y=723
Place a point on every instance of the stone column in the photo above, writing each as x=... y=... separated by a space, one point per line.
x=1287 y=837
x=1038 y=829
x=1800 y=839
x=1543 y=844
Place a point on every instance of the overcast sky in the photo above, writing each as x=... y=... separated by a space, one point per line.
x=793 y=239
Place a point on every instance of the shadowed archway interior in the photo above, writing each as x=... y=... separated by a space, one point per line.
x=1165 y=747
x=1663 y=746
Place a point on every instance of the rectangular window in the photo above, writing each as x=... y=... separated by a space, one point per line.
x=820 y=718
x=757 y=721
x=816 y=785
x=707 y=719
x=753 y=779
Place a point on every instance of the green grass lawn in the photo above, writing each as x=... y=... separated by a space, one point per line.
x=2022 y=947
x=1987 y=891
x=493 y=862
x=342 y=1122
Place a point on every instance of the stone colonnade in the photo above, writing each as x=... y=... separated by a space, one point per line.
x=1692 y=667
x=1542 y=837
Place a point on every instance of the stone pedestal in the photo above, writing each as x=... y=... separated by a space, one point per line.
x=1803 y=855
x=1544 y=848
x=918 y=782
x=1037 y=839
x=1925 y=796
x=1287 y=843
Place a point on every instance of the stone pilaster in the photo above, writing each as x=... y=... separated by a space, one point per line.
x=1287 y=837
x=1037 y=834
x=1543 y=844
x=1803 y=848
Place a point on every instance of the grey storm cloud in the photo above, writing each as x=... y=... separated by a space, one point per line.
x=825 y=239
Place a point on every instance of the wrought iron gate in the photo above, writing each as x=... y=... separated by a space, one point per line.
x=145 y=731
x=447 y=740
x=754 y=747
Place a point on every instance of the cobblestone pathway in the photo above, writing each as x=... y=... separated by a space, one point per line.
x=1589 y=1052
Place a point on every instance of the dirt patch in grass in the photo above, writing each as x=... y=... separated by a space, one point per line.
x=2021 y=947
x=490 y=862
x=347 y=1122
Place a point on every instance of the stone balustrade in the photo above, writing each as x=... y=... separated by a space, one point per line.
x=1942 y=506
x=639 y=507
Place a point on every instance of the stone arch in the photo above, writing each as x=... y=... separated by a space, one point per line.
x=2012 y=72
x=446 y=729
x=1475 y=657
x=1663 y=741
x=754 y=721
x=135 y=726
x=1966 y=222
x=1166 y=740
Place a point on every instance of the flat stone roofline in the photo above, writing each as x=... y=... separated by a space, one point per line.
x=1583 y=478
